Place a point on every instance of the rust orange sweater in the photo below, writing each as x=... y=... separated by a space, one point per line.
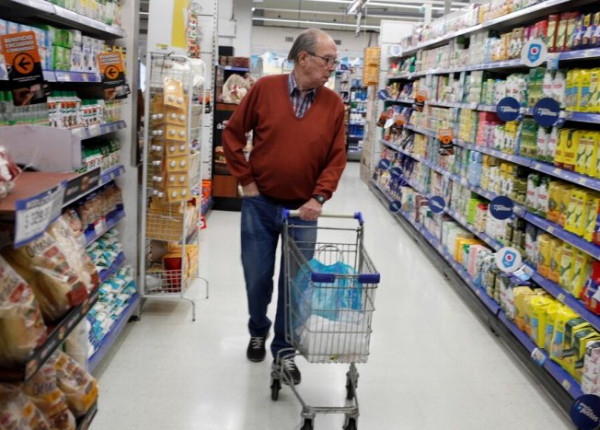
x=292 y=158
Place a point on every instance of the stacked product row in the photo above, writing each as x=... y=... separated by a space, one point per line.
x=106 y=11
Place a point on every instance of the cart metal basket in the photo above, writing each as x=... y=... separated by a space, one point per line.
x=330 y=285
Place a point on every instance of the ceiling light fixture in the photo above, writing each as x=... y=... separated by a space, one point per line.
x=310 y=22
x=357 y=6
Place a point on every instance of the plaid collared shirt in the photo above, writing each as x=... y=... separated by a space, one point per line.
x=300 y=104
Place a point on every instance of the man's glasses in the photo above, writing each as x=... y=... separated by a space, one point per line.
x=328 y=60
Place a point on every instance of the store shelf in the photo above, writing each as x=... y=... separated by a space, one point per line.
x=65 y=76
x=85 y=422
x=591 y=118
x=355 y=136
x=114 y=268
x=99 y=229
x=234 y=69
x=55 y=338
x=47 y=12
x=541 y=356
x=82 y=188
x=405 y=101
x=96 y=130
x=553 y=369
x=110 y=338
x=513 y=19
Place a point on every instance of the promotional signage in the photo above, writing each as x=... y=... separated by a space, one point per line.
x=546 y=112
x=396 y=172
x=534 y=53
x=508 y=109
x=383 y=95
x=508 y=260
x=585 y=412
x=446 y=138
x=395 y=206
x=421 y=96
x=113 y=75
x=384 y=164
x=501 y=207
x=437 y=204
x=24 y=67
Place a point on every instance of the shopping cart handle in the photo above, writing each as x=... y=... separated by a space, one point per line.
x=287 y=214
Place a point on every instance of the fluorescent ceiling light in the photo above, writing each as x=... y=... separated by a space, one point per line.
x=305 y=21
x=322 y=12
x=393 y=5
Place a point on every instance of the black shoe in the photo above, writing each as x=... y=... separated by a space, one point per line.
x=290 y=370
x=256 y=351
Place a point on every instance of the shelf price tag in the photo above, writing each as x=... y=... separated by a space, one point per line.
x=538 y=356
x=34 y=215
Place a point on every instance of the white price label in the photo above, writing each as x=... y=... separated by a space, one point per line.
x=35 y=214
x=538 y=356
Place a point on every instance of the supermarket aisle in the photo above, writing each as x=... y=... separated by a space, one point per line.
x=433 y=365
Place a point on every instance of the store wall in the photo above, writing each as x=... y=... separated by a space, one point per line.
x=273 y=39
x=235 y=25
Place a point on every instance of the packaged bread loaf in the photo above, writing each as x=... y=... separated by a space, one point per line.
x=43 y=391
x=43 y=265
x=74 y=252
x=79 y=387
x=22 y=328
x=17 y=411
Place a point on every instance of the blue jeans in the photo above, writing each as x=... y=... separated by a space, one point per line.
x=262 y=225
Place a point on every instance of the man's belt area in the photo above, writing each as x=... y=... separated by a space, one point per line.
x=288 y=204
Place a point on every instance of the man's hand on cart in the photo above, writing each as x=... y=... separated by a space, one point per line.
x=311 y=210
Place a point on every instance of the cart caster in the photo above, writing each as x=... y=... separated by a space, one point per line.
x=308 y=424
x=351 y=424
x=275 y=387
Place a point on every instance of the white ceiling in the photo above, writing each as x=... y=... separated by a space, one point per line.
x=331 y=14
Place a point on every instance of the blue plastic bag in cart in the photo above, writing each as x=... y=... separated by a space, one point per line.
x=324 y=299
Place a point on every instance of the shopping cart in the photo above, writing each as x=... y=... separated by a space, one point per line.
x=330 y=285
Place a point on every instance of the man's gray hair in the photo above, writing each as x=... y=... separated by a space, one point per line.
x=306 y=41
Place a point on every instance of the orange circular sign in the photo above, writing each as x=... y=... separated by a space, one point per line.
x=23 y=63
x=112 y=72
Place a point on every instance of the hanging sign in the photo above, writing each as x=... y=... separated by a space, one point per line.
x=508 y=260
x=546 y=112
x=383 y=95
x=396 y=172
x=437 y=204
x=24 y=68
x=384 y=164
x=508 y=109
x=585 y=412
x=421 y=96
x=501 y=207
x=112 y=72
x=395 y=206
x=446 y=137
x=534 y=53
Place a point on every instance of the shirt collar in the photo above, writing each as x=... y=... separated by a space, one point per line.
x=294 y=90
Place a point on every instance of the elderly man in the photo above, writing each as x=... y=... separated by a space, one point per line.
x=297 y=159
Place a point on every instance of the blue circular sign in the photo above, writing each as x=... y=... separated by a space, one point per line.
x=501 y=207
x=437 y=204
x=396 y=172
x=585 y=412
x=508 y=109
x=384 y=164
x=546 y=112
x=383 y=95
x=395 y=206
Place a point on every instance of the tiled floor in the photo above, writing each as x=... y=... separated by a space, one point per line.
x=432 y=366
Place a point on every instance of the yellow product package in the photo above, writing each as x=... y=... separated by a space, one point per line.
x=564 y=203
x=567 y=264
x=572 y=89
x=552 y=311
x=571 y=149
x=575 y=222
x=584 y=153
x=594 y=89
x=563 y=315
x=521 y=294
x=555 y=190
x=544 y=254
x=583 y=87
x=591 y=155
x=559 y=154
x=592 y=204
x=538 y=313
x=556 y=247
x=581 y=273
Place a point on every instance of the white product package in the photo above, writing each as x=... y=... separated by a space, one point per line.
x=348 y=337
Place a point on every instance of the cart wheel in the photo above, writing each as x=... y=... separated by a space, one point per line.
x=350 y=390
x=308 y=424
x=351 y=425
x=275 y=387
